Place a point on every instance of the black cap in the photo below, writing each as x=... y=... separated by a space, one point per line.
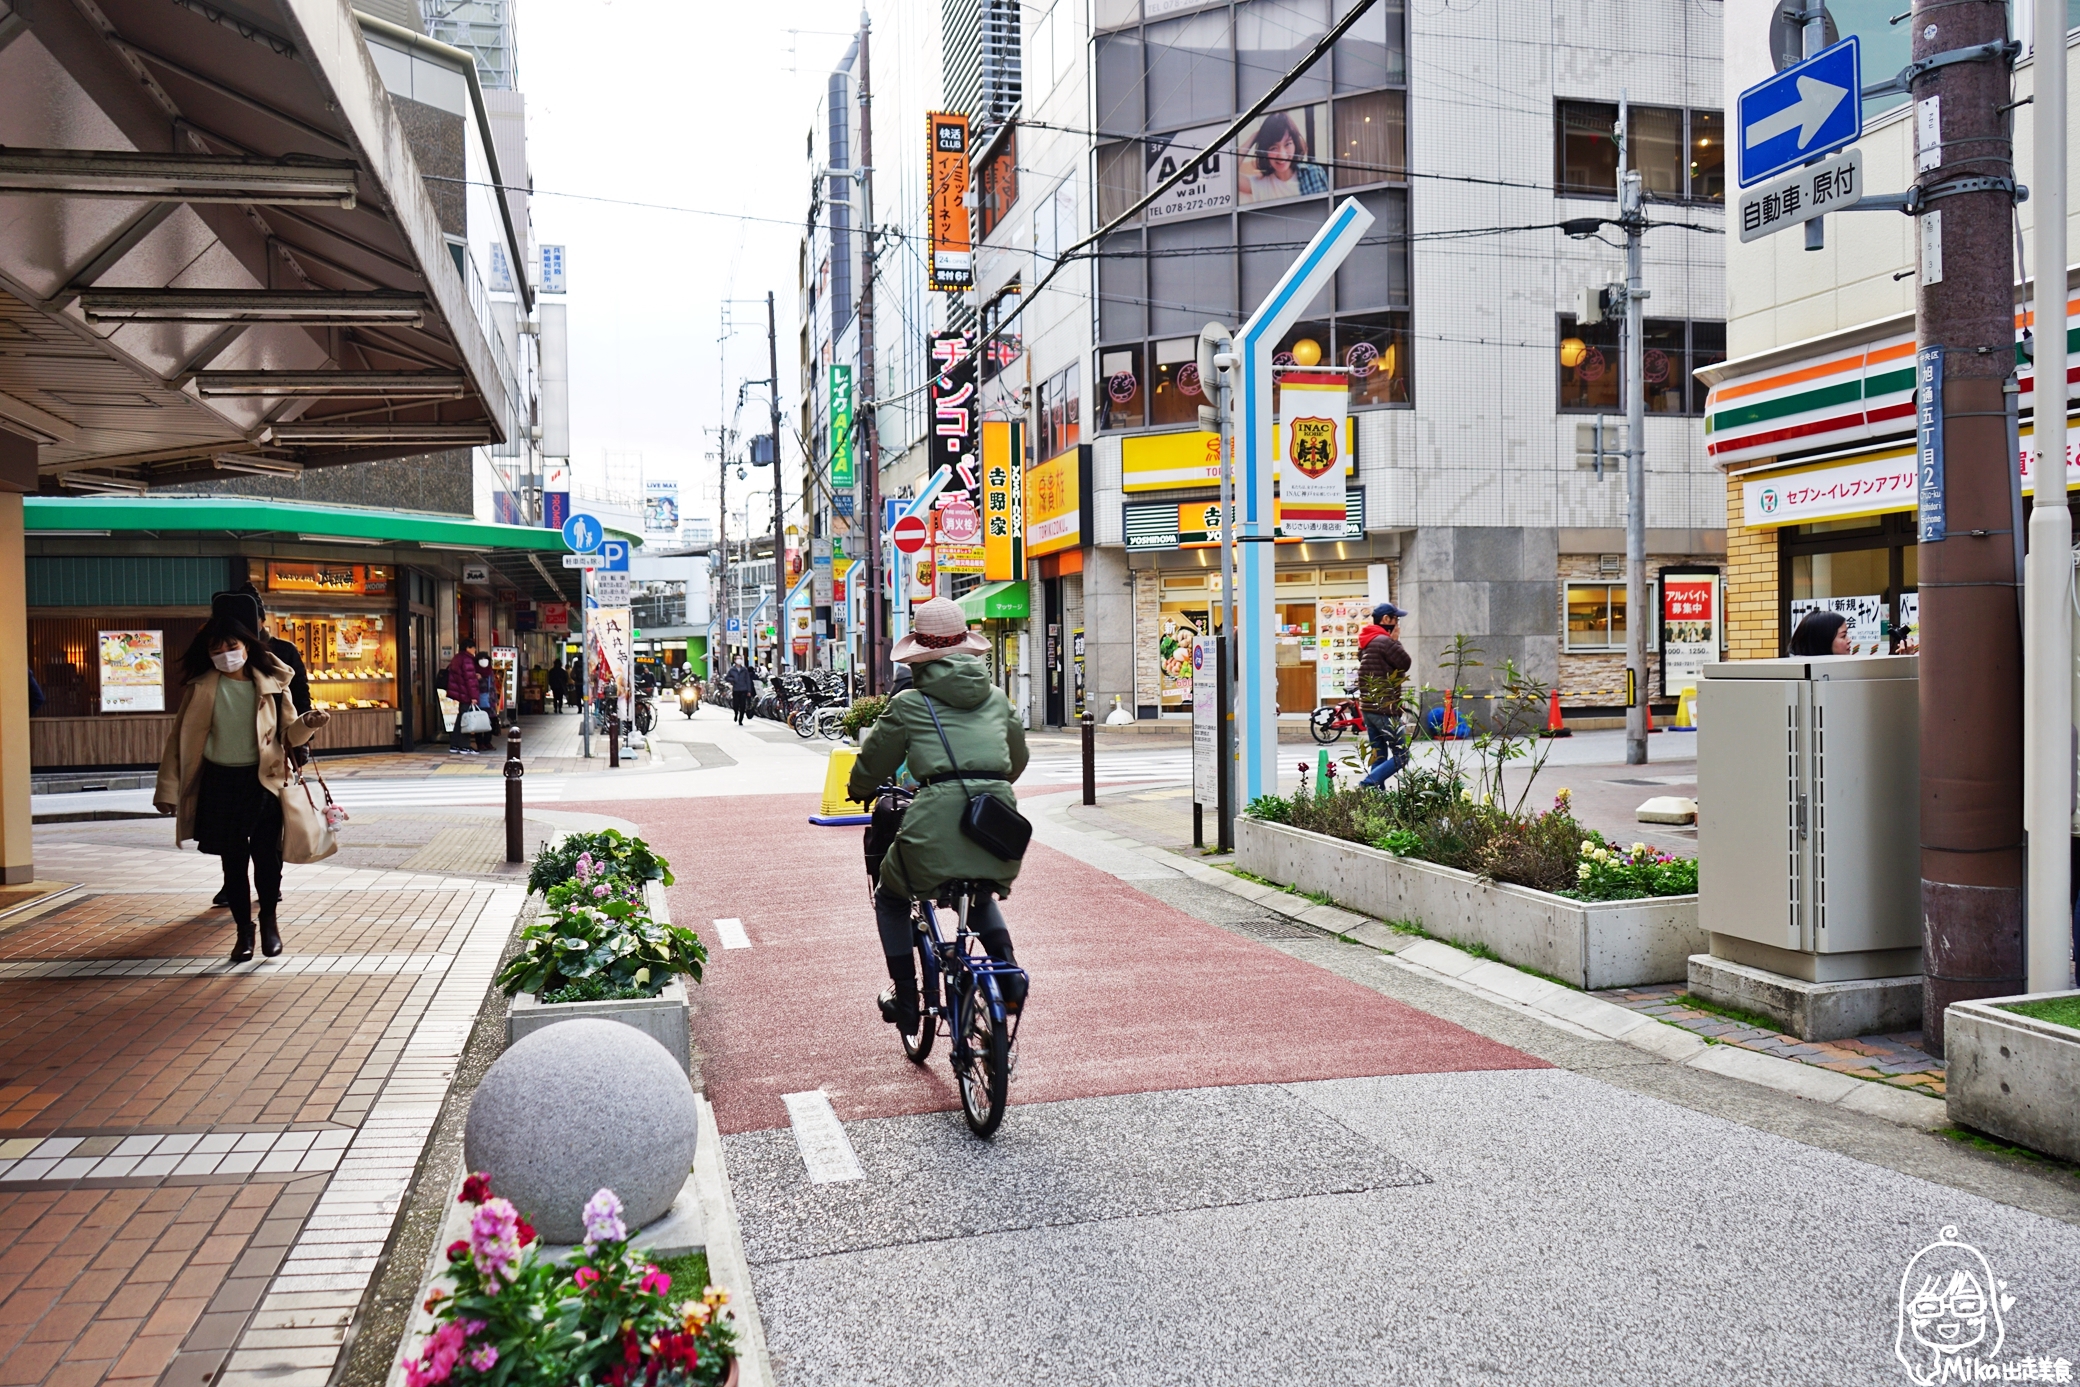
x=242 y=607
x=1385 y=610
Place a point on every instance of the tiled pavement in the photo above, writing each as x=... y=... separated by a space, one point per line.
x=200 y=1164
x=1891 y=1059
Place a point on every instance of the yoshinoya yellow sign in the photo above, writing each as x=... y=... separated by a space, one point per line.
x=1003 y=500
x=1174 y=461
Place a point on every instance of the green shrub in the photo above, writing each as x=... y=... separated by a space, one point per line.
x=1402 y=842
x=863 y=713
x=597 y=989
x=598 y=926
x=609 y=851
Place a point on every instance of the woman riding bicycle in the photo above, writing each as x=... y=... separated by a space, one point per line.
x=989 y=746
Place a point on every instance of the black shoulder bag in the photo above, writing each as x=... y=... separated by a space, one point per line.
x=987 y=822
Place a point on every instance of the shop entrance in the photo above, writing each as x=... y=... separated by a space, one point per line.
x=1056 y=712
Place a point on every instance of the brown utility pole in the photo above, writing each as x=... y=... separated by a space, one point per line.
x=870 y=437
x=1971 y=631
x=783 y=625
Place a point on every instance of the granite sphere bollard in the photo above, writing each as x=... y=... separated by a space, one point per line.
x=578 y=1107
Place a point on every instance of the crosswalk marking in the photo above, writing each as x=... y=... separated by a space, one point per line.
x=732 y=932
x=826 y=1150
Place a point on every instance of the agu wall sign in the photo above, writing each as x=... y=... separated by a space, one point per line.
x=1801 y=113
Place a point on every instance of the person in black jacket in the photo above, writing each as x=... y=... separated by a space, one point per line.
x=559 y=682
x=1383 y=665
x=742 y=684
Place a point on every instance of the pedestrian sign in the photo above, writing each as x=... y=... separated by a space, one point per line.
x=582 y=533
x=1813 y=108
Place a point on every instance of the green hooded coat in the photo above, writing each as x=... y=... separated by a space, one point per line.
x=988 y=742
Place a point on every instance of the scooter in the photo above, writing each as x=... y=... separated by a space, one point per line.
x=690 y=697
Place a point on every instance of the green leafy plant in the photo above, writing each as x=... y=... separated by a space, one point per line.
x=1620 y=874
x=862 y=714
x=1402 y=842
x=2059 y=1011
x=596 y=929
x=608 y=851
x=597 y=989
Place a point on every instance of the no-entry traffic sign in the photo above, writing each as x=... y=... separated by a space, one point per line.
x=908 y=534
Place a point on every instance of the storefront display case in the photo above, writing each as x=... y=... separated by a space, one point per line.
x=341 y=618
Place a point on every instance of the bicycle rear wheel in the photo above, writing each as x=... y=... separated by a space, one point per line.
x=802 y=719
x=985 y=1075
x=1322 y=722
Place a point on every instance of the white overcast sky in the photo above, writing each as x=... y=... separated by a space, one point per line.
x=688 y=103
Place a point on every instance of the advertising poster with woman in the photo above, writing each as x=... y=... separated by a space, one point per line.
x=1278 y=156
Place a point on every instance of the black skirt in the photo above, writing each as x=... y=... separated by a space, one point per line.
x=232 y=808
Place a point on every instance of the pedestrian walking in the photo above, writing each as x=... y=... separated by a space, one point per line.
x=285 y=651
x=1383 y=664
x=490 y=697
x=742 y=682
x=226 y=765
x=462 y=686
x=559 y=683
x=1821 y=633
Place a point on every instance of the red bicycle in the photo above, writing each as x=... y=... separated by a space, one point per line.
x=1330 y=723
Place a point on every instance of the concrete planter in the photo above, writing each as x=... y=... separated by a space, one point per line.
x=1588 y=944
x=663 y=1018
x=2014 y=1076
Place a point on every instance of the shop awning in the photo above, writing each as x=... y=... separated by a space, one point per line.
x=314 y=524
x=1006 y=601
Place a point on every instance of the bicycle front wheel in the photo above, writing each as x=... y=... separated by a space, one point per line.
x=646 y=718
x=985 y=1073
x=1322 y=722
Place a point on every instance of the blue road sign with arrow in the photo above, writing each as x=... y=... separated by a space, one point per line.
x=583 y=533
x=1801 y=113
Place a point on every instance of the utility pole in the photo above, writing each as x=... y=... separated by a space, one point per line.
x=783 y=643
x=1971 y=636
x=1813 y=36
x=870 y=439
x=2048 y=697
x=1632 y=216
x=722 y=538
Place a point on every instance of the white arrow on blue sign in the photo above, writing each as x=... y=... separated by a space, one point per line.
x=582 y=533
x=1801 y=113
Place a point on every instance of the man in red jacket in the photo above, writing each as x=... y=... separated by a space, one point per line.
x=463 y=685
x=1382 y=669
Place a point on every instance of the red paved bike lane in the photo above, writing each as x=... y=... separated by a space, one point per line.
x=1129 y=994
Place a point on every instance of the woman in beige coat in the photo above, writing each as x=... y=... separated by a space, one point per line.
x=226 y=765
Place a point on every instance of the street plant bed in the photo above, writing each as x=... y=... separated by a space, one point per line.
x=2014 y=1069
x=603 y=944
x=504 y=1315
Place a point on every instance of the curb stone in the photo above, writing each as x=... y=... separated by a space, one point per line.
x=1565 y=1009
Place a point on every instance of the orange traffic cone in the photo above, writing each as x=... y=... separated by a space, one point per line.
x=1554 y=726
x=1450 y=727
x=1648 y=703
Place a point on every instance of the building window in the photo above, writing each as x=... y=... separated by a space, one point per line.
x=1061 y=412
x=1371 y=139
x=1122 y=390
x=1596 y=617
x=1679 y=153
x=996 y=183
x=1591 y=365
x=1003 y=347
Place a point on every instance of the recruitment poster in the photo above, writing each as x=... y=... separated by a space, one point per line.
x=1313 y=406
x=1689 y=627
x=133 y=672
x=952 y=264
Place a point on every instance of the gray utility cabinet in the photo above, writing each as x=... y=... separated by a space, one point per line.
x=1809 y=818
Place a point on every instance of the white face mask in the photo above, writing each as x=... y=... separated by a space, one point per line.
x=230 y=661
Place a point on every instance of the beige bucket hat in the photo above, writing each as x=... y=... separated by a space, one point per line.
x=938 y=628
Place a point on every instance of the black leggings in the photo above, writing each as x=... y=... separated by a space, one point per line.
x=264 y=851
x=740 y=703
x=892 y=918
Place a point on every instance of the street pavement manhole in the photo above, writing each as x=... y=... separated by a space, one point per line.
x=1273 y=928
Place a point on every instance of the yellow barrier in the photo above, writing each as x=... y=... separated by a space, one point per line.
x=834 y=801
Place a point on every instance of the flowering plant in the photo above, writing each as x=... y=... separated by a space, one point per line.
x=609 y=852
x=601 y=929
x=1617 y=874
x=605 y=1320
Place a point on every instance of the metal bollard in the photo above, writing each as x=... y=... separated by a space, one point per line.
x=516 y=850
x=614 y=738
x=1090 y=759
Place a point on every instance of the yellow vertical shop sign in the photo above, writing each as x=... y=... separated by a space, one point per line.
x=953 y=254
x=1003 y=500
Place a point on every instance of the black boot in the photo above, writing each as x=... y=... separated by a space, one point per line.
x=222 y=900
x=898 y=1001
x=1011 y=986
x=270 y=937
x=242 y=916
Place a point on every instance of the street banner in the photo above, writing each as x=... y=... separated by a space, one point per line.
x=842 y=479
x=1689 y=627
x=1313 y=406
x=953 y=417
x=133 y=671
x=661 y=508
x=1003 y=500
x=952 y=264
x=556 y=494
x=611 y=631
x=1204 y=691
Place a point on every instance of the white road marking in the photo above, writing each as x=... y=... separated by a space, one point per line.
x=825 y=1148
x=732 y=932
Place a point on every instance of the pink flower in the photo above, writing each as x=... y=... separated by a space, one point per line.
x=584 y=1276
x=485 y=1358
x=603 y=1219
x=494 y=1241
x=655 y=1282
x=584 y=865
x=437 y=1356
x=599 y=892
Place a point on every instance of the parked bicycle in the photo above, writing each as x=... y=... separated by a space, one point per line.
x=961 y=992
x=1328 y=724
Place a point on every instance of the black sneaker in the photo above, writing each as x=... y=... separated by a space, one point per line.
x=897 y=1011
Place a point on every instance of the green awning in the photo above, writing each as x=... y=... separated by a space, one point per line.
x=238 y=515
x=1006 y=601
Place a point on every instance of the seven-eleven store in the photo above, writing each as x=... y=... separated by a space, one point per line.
x=1817 y=443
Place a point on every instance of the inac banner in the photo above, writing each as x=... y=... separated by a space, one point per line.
x=1313 y=406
